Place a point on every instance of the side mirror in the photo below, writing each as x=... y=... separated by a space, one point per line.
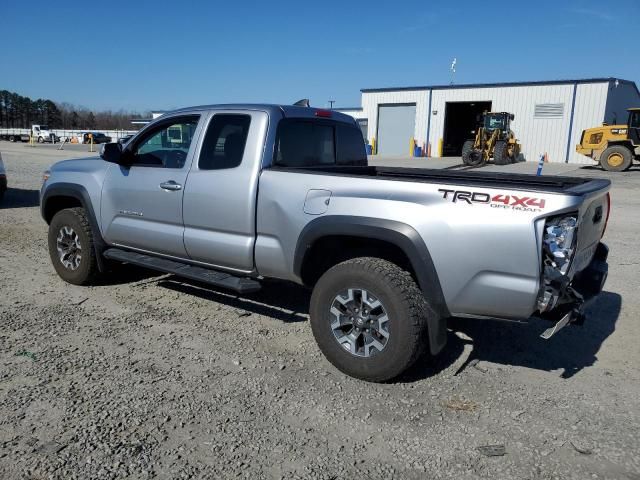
x=111 y=152
x=512 y=116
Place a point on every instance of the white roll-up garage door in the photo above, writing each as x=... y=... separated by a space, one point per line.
x=396 y=126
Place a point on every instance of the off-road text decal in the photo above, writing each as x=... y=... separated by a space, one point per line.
x=508 y=201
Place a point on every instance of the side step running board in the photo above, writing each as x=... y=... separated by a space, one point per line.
x=200 y=274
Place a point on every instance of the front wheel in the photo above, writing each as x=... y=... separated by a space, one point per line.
x=470 y=156
x=40 y=140
x=616 y=158
x=369 y=318
x=71 y=247
x=500 y=153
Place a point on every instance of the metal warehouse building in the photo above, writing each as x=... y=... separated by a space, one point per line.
x=549 y=115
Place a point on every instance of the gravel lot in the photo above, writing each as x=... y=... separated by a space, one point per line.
x=147 y=376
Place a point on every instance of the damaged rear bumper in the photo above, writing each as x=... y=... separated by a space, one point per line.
x=575 y=295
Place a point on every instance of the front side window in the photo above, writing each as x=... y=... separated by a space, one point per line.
x=167 y=145
x=224 y=143
x=634 y=121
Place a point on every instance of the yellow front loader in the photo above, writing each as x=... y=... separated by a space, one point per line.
x=613 y=146
x=494 y=140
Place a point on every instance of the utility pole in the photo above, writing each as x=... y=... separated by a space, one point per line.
x=331 y=102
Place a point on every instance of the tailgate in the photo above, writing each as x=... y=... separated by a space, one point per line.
x=593 y=216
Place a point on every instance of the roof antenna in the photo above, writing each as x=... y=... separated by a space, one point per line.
x=302 y=103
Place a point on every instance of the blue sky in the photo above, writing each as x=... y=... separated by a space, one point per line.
x=161 y=55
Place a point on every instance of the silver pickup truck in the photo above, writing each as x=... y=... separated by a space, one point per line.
x=232 y=194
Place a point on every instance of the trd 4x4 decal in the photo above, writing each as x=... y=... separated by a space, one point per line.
x=512 y=202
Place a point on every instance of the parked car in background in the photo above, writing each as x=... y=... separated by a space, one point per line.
x=98 y=137
x=3 y=178
x=125 y=139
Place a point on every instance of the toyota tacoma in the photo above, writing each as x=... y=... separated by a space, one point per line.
x=230 y=195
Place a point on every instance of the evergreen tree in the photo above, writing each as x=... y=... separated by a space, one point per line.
x=91 y=120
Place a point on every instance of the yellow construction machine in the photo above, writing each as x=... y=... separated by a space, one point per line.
x=613 y=146
x=494 y=139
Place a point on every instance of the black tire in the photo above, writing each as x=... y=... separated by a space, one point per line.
x=87 y=270
x=471 y=156
x=501 y=153
x=404 y=303
x=40 y=140
x=467 y=148
x=12 y=138
x=616 y=158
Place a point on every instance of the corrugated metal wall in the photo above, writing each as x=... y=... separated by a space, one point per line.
x=354 y=112
x=537 y=134
x=591 y=100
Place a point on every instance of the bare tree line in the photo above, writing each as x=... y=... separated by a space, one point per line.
x=17 y=111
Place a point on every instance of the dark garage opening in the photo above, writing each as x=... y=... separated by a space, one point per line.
x=460 y=118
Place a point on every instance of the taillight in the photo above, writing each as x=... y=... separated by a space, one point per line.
x=559 y=241
x=323 y=113
x=608 y=212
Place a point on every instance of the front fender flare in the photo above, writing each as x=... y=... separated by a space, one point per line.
x=77 y=192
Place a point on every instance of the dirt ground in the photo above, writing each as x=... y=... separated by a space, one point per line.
x=148 y=376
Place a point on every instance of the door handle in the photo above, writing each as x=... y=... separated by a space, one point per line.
x=170 y=185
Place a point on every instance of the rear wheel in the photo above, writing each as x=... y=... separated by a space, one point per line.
x=500 y=153
x=616 y=158
x=71 y=247
x=369 y=318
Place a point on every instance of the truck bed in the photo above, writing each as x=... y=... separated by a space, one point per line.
x=515 y=181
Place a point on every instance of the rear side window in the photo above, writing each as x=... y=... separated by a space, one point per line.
x=351 y=149
x=302 y=144
x=224 y=143
x=309 y=143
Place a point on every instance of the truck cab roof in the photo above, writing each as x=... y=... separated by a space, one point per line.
x=288 y=111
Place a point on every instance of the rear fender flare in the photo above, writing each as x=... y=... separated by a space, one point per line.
x=399 y=234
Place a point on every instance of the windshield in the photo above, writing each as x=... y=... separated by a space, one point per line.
x=495 y=120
